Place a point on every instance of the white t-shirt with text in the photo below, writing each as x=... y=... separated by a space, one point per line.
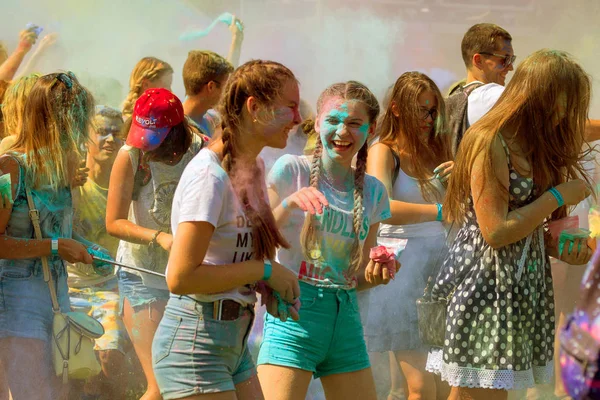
x=205 y=194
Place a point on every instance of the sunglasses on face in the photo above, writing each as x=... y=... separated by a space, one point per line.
x=507 y=59
x=103 y=133
x=425 y=113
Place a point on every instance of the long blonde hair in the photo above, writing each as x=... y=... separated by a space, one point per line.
x=56 y=119
x=527 y=108
x=13 y=103
x=309 y=238
x=264 y=81
x=148 y=68
x=405 y=128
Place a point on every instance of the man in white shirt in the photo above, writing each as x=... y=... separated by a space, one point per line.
x=488 y=56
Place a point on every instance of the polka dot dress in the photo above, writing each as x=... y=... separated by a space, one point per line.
x=500 y=320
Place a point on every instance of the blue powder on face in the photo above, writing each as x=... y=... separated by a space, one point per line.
x=341 y=114
x=364 y=129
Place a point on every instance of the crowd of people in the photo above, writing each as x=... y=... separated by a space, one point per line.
x=243 y=193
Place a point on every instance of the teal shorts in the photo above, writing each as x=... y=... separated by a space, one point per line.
x=328 y=338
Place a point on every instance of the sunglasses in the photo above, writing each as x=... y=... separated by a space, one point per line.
x=65 y=78
x=425 y=113
x=507 y=59
x=104 y=133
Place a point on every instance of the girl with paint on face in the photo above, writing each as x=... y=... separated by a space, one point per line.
x=518 y=166
x=411 y=159
x=159 y=145
x=43 y=159
x=148 y=73
x=330 y=213
x=225 y=236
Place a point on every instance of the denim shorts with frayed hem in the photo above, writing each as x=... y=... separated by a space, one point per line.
x=192 y=353
x=132 y=288
x=328 y=338
x=25 y=302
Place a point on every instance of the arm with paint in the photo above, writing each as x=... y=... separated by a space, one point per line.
x=307 y=199
x=237 y=37
x=47 y=42
x=120 y=192
x=188 y=274
x=12 y=248
x=499 y=226
x=380 y=164
x=201 y=201
x=9 y=68
x=286 y=194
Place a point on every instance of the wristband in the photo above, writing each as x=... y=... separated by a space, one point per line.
x=54 y=246
x=559 y=199
x=439 y=218
x=267 y=271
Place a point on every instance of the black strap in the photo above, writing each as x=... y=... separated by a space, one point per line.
x=396 y=166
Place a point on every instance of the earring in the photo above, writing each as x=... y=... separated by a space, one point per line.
x=255 y=120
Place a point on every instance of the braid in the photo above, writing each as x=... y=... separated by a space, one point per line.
x=228 y=152
x=134 y=94
x=350 y=90
x=264 y=81
x=357 y=216
x=308 y=237
x=315 y=168
x=148 y=68
x=253 y=199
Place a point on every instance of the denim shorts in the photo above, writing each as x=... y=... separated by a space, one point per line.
x=139 y=295
x=328 y=338
x=193 y=354
x=25 y=303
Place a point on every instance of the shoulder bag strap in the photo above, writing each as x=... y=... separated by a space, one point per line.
x=35 y=220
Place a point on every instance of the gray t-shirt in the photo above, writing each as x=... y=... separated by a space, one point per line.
x=290 y=174
x=153 y=210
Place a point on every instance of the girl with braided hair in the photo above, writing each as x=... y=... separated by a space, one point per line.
x=148 y=73
x=225 y=238
x=330 y=213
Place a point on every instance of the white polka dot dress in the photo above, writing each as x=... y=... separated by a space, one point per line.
x=500 y=320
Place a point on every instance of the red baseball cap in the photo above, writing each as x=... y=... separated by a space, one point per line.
x=154 y=114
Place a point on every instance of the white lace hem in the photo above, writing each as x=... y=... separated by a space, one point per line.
x=435 y=360
x=457 y=376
